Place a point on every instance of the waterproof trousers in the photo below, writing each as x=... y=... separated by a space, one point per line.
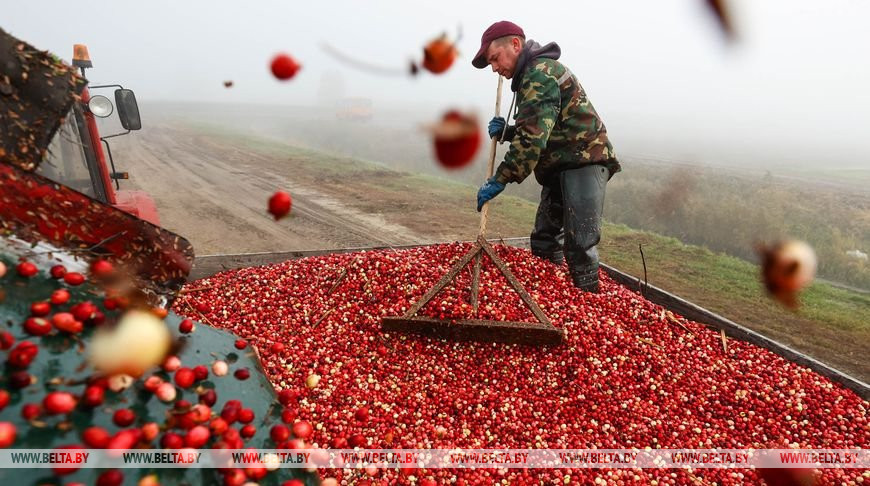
x=568 y=222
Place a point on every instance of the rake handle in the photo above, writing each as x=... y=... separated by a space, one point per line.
x=475 y=274
x=493 y=143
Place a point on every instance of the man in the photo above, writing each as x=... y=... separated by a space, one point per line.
x=560 y=137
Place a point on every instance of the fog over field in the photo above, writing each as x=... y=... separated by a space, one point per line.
x=790 y=92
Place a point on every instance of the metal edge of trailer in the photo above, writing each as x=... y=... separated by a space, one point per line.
x=208 y=265
x=699 y=314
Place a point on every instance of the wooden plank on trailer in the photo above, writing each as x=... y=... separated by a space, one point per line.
x=477 y=330
x=475 y=284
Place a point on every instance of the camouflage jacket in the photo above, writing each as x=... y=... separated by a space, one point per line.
x=556 y=127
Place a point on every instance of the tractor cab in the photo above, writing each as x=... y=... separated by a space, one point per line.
x=76 y=155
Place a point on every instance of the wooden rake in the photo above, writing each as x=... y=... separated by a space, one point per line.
x=542 y=332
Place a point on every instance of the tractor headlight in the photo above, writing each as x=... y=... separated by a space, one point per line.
x=100 y=106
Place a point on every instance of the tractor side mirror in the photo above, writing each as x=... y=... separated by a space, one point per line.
x=128 y=110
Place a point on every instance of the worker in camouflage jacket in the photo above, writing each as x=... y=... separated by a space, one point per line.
x=558 y=136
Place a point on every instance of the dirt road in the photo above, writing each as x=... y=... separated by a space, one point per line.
x=214 y=193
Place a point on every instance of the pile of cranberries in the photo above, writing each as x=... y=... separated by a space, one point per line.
x=206 y=393
x=627 y=375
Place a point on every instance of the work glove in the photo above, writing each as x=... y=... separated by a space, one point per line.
x=490 y=189
x=496 y=127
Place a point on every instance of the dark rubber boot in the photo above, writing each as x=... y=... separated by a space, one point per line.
x=585 y=283
x=556 y=258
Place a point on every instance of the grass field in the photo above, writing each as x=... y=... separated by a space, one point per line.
x=833 y=324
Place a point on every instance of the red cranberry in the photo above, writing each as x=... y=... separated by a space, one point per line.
x=124 y=417
x=232 y=437
x=83 y=311
x=184 y=377
x=197 y=437
x=339 y=443
x=171 y=440
x=112 y=477
x=208 y=397
x=74 y=278
x=218 y=426
x=242 y=374
x=286 y=397
x=248 y=431
x=101 y=268
x=67 y=469
x=235 y=477
x=20 y=379
x=152 y=383
x=256 y=471
x=30 y=411
x=125 y=439
x=7 y=434
x=279 y=433
x=171 y=363
x=150 y=431
x=98 y=318
x=66 y=322
x=233 y=404
x=357 y=440
x=186 y=326
x=230 y=414
x=6 y=339
x=362 y=414
x=246 y=415
x=37 y=326
x=59 y=402
x=60 y=297
x=40 y=309
x=200 y=372
x=57 y=271
x=302 y=429
x=200 y=413
x=93 y=396
x=96 y=437
x=288 y=415
x=22 y=355
x=283 y=67
x=27 y=269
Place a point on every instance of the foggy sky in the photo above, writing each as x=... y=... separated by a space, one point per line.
x=792 y=90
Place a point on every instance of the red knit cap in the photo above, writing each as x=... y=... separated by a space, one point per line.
x=496 y=30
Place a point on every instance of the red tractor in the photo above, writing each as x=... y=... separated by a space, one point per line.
x=76 y=157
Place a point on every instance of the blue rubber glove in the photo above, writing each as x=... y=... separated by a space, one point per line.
x=490 y=189
x=496 y=126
